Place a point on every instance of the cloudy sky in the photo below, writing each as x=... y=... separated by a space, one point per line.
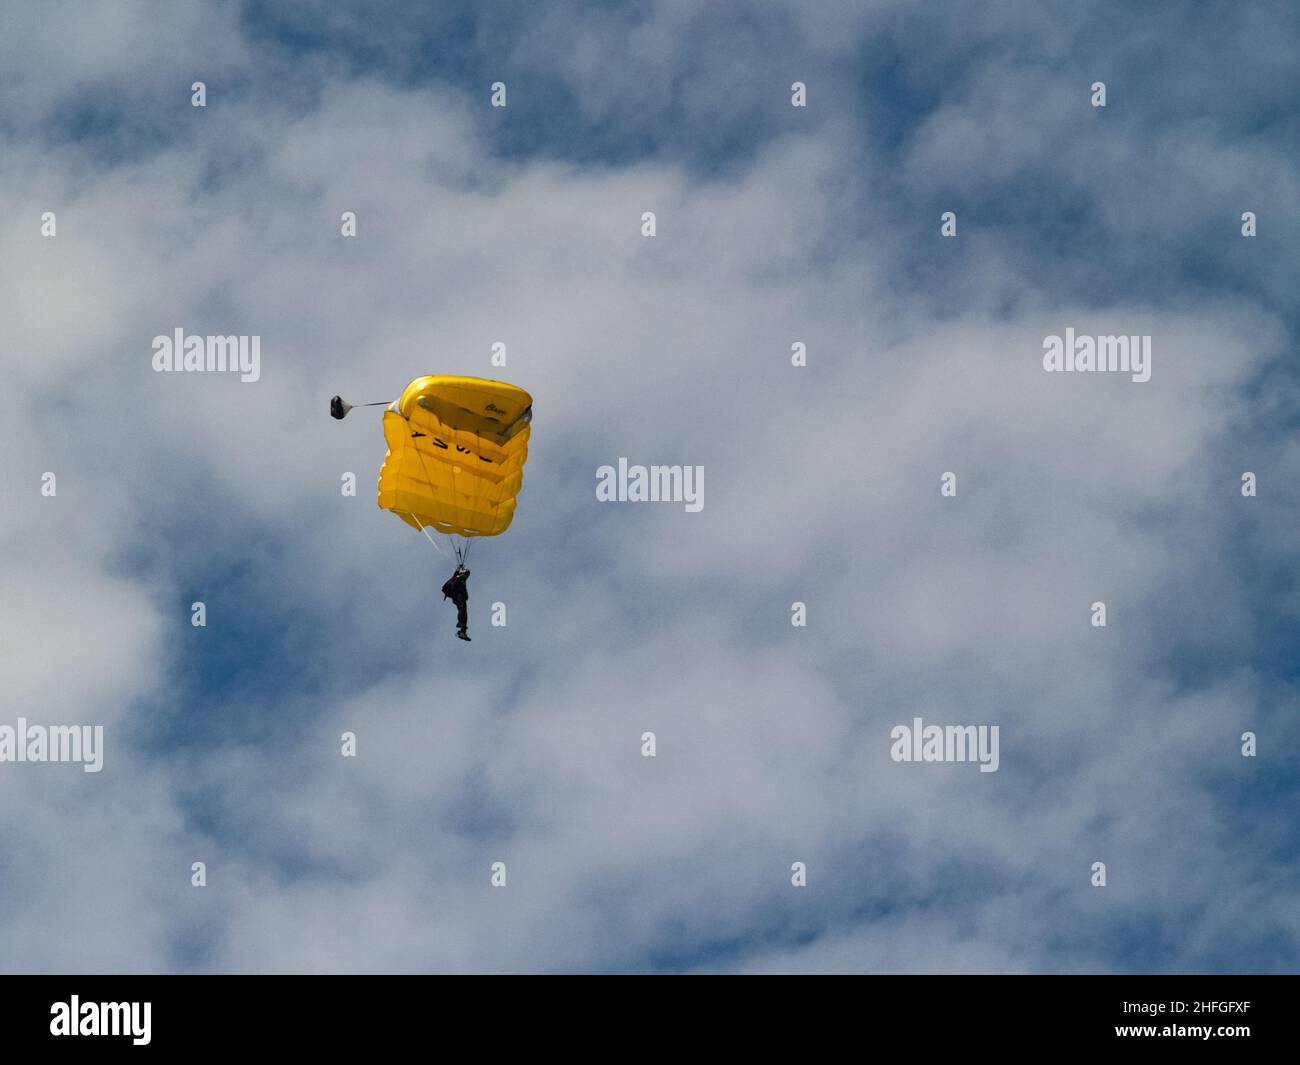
x=775 y=225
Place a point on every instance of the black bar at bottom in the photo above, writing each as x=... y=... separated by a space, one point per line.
x=584 y=1014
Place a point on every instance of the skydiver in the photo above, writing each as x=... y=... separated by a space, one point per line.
x=455 y=590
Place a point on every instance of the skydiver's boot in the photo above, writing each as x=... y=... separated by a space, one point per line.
x=463 y=635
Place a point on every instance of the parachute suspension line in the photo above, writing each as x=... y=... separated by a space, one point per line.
x=425 y=529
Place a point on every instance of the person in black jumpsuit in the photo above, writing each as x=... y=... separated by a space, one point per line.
x=458 y=593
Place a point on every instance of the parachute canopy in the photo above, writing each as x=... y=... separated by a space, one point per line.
x=456 y=452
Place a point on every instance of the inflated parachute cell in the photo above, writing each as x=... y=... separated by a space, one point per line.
x=456 y=452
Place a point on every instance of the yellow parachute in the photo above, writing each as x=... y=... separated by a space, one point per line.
x=456 y=452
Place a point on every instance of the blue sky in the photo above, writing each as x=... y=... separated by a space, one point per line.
x=775 y=225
